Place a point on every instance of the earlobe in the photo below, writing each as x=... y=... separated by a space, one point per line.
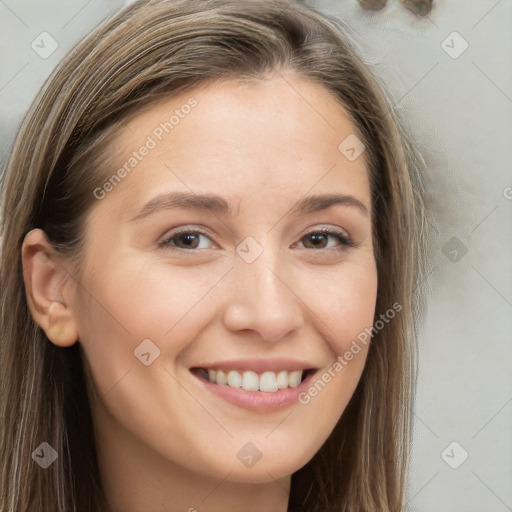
x=61 y=328
x=47 y=289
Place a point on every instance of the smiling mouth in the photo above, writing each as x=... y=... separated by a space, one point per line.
x=266 y=382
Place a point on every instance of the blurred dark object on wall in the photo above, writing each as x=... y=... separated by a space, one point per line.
x=418 y=7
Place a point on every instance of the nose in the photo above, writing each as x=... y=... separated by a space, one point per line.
x=263 y=300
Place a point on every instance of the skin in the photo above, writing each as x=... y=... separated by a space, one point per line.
x=166 y=443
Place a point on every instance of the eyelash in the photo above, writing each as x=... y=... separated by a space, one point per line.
x=344 y=240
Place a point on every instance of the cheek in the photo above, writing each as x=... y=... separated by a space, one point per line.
x=345 y=304
x=128 y=311
x=142 y=300
x=125 y=303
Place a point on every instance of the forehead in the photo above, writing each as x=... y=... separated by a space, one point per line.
x=245 y=140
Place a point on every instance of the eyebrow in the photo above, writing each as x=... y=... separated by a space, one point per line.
x=217 y=204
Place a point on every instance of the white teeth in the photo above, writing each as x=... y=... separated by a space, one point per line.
x=234 y=379
x=250 y=381
x=294 y=378
x=267 y=382
x=282 y=379
x=221 y=378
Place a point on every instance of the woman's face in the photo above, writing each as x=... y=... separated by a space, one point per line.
x=236 y=246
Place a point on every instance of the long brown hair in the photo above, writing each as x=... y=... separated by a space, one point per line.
x=151 y=50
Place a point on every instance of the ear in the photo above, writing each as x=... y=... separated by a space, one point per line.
x=49 y=289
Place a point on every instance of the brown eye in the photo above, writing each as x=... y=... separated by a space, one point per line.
x=187 y=240
x=320 y=239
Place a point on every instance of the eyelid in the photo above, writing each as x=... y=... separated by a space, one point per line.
x=328 y=229
x=344 y=238
x=164 y=241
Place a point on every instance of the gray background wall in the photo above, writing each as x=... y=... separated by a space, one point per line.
x=458 y=106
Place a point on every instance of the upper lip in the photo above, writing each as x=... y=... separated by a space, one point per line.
x=258 y=365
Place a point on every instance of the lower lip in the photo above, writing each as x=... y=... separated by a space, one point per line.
x=258 y=400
